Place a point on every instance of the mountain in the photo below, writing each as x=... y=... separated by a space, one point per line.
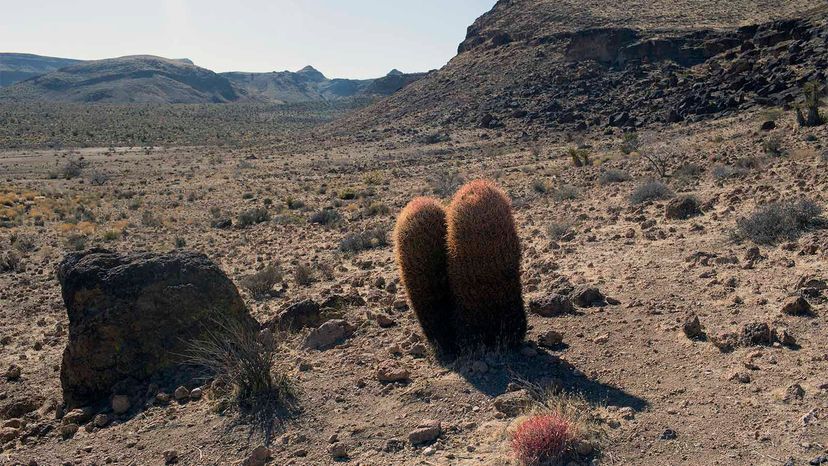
x=15 y=67
x=149 y=79
x=139 y=79
x=308 y=84
x=536 y=65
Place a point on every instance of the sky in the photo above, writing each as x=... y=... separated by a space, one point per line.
x=341 y=38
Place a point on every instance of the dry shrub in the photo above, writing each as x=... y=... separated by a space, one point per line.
x=368 y=239
x=260 y=284
x=651 y=191
x=784 y=220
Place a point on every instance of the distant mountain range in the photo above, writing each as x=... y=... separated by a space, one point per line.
x=150 y=79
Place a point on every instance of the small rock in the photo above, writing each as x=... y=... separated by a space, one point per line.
x=69 y=430
x=78 y=416
x=384 y=321
x=586 y=296
x=101 y=420
x=426 y=432
x=162 y=398
x=13 y=373
x=479 y=367
x=794 y=392
x=181 y=394
x=692 y=327
x=756 y=334
x=797 y=307
x=513 y=403
x=768 y=125
x=550 y=339
x=120 y=404
x=390 y=371
x=196 y=393
x=328 y=335
x=551 y=305
x=741 y=377
x=338 y=450
x=601 y=339
x=306 y=313
x=170 y=456
x=669 y=434
x=725 y=341
x=8 y=434
x=584 y=448
x=682 y=208
x=258 y=457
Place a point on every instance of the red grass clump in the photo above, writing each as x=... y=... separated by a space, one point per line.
x=542 y=439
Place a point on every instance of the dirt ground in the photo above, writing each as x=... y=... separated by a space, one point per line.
x=638 y=372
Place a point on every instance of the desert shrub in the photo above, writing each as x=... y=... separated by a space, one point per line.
x=252 y=217
x=445 y=182
x=375 y=208
x=288 y=219
x=629 y=143
x=558 y=230
x=813 y=100
x=98 y=178
x=368 y=239
x=540 y=186
x=434 y=138
x=248 y=196
x=613 y=175
x=580 y=157
x=784 y=220
x=348 y=194
x=690 y=170
x=772 y=146
x=824 y=156
x=240 y=360
x=10 y=261
x=294 y=204
x=651 y=191
x=76 y=242
x=303 y=275
x=566 y=192
x=110 y=235
x=724 y=172
x=543 y=439
x=325 y=217
x=261 y=283
x=179 y=242
x=73 y=168
x=23 y=243
x=748 y=163
x=149 y=219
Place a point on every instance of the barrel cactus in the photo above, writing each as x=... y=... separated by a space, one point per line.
x=420 y=250
x=484 y=267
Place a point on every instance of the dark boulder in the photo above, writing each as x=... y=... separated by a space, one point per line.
x=131 y=317
x=682 y=208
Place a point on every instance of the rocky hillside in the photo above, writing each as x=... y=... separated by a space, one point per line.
x=15 y=67
x=140 y=79
x=574 y=65
x=309 y=85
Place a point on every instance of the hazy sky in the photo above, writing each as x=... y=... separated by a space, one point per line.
x=341 y=38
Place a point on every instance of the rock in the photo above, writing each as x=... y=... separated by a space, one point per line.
x=756 y=334
x=391 y=371
x=551 y=305
x=181 y=394
x=120 y=404
x=131 y=315
x=8 y=434
x=584 y=448
x=550 y=339
x=258 y=457
x=13 y=373
x=741 y=377
x=794 y=392
x=725 y=341
x=682 y=208
x=196 y=393
x=768 y=125
x=101 y=420
x=513 y=403
x=306 y=313
x=692 y=328
x=337 y=301
x=426 y=432
x=170 y=456
x=586 y=296
x=162 y=398
x=479 y=367
x=328 y=335
x=784 y=337
x=78 y=416
x=797 y=307
x=601 y=339
x=384 y=321
x=393 y=445
x=669 y=434
x=68 y=430
x=338 y=450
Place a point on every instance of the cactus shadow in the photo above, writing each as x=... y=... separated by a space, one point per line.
x=546 y=371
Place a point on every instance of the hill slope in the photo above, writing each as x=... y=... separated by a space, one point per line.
x=309 y=85
x=575 y=64
x=140 y=78
x=16 y=67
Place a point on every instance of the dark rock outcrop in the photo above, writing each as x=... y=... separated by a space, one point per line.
x=132 y=316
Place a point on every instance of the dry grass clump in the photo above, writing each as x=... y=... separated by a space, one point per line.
x=785 y=220
x=240 y=360
x=613 y=175
x=368 y=239
x=566 y=192
x=303 y=275
x=325 y=216
x=252 y=217
x=445 y=182
x=651 y=191
x=10 y=261
x=260 y=284
x=559 y=230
